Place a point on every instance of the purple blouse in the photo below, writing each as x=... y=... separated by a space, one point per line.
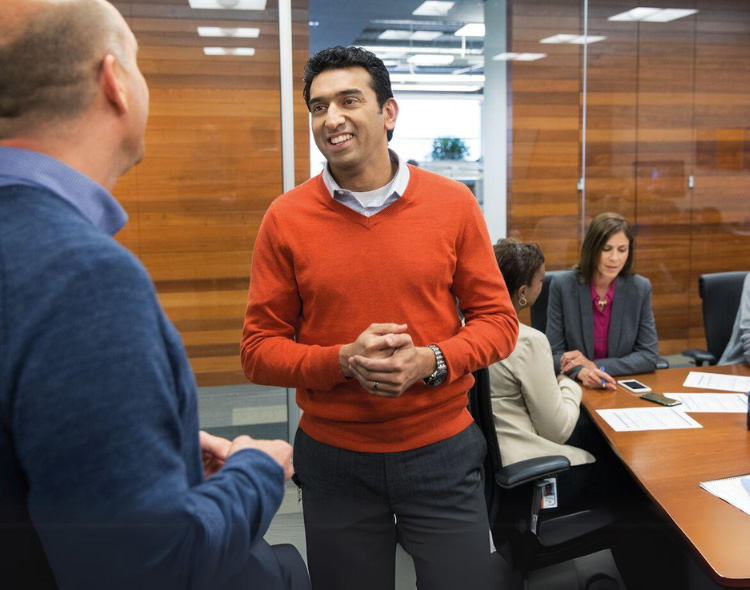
x=602 y=316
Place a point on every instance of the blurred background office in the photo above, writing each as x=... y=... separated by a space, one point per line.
x=551 y=111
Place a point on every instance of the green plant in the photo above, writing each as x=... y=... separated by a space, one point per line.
x=449 y=148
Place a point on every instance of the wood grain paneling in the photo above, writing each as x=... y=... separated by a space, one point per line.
x=666 y=101
x=213 y=166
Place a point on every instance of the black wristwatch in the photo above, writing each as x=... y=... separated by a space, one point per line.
x=441 y=371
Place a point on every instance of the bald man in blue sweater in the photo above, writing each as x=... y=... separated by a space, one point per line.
x=105 y=480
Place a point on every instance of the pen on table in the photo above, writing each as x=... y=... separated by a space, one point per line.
x=604 y=381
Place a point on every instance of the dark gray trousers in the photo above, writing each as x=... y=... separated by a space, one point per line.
x=434 y=492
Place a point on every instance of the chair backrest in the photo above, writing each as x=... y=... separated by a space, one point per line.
x=721 y=293
x=539 y=309
x=480 y=406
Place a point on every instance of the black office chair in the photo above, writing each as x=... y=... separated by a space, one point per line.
x=539 y=549
x=539 y=309
x=721 y=293
x=539 y=312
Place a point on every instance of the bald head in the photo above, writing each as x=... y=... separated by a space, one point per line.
x=50 y=55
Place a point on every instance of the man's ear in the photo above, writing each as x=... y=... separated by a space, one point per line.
x=110 y=81
x=390 y=110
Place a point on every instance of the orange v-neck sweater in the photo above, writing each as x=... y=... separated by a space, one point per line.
x=322 y=273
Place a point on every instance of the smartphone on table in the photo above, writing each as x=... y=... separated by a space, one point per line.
x=658 y=398
x=634 y=385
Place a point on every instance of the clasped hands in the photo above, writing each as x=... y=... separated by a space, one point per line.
x=385 y=361
x=216 y=450
x=590 y=375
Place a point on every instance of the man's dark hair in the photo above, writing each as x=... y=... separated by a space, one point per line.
x=600 y=231
x=337 y=58
x=518 y=262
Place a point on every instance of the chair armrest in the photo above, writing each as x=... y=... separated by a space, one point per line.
x=530 y=470
x=661 y=363
x=701 y=357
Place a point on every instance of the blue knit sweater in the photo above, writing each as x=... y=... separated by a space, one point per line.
x=98 y=421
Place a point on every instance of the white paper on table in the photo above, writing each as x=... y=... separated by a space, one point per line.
x=714 y=403
x=716 y=381
x=730 y=490
x=638 y=419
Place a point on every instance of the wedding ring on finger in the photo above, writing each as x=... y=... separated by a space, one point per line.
x=375 y=385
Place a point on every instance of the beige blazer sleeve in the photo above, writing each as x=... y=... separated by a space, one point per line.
x=533 y=413
x=553 y=407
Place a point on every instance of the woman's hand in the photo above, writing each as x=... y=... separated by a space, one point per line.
x=596 y=379
x=574 y=358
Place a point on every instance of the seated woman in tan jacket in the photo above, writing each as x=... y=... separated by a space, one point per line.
x=535 y=410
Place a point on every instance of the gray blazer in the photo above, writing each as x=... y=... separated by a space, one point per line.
x=633 y=344
x=738 y=347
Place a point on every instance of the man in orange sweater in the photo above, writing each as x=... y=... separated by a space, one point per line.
x=353 y=291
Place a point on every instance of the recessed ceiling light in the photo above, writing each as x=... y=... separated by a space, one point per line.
x=237 y=51
x=228 y=4
x=426 y=59
x=387 y=51
x=507 y=56
x=433 y=8
x=652 y=15
x=572 y=39
x=242 y=32
x=471 y=30
x=425 y=35
x=530 y=56
x=396 y=35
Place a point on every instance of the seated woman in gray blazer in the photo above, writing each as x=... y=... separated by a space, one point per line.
x=535 y=410
x=599 y=318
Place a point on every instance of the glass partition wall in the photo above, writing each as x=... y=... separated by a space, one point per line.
x=215 y=161
x=641 y=111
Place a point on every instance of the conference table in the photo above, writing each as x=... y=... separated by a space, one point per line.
x=670 y=464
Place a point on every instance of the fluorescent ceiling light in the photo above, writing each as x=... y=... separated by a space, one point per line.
x=390 y=50
x=572 y=39
x=507 y=56
x=239 y=51
x=243 y=32
x=471 y=30
x=425 y=35
x=439 y=78
x=435 y=88
x=530 y=56
x=433 y=8
x=652 y=15
x=394 y=35
x=390 y=63
x=670 y=14
x=228 y=4
x=426 y=59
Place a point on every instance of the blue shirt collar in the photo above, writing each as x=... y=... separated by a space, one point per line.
x=31 y=168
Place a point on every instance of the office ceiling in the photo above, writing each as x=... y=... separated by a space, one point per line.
x=362 y=22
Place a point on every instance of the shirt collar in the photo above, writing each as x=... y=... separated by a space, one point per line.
x=400 y=180
x=610 y=292
x=18 y=166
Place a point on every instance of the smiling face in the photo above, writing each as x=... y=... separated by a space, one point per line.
x=613 y=256
x=349 y=127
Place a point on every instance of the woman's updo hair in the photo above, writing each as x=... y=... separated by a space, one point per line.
x=518 y=262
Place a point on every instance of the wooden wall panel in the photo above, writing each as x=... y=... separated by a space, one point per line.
x=721 y=198
x=213 y=166
x=666 y=101
x=543 y=203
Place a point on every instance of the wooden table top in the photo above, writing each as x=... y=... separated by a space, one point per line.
x=670 y=464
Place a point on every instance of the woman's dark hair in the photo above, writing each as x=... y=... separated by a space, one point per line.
x=600 y=231
x=338 y=58
x=518 y=262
